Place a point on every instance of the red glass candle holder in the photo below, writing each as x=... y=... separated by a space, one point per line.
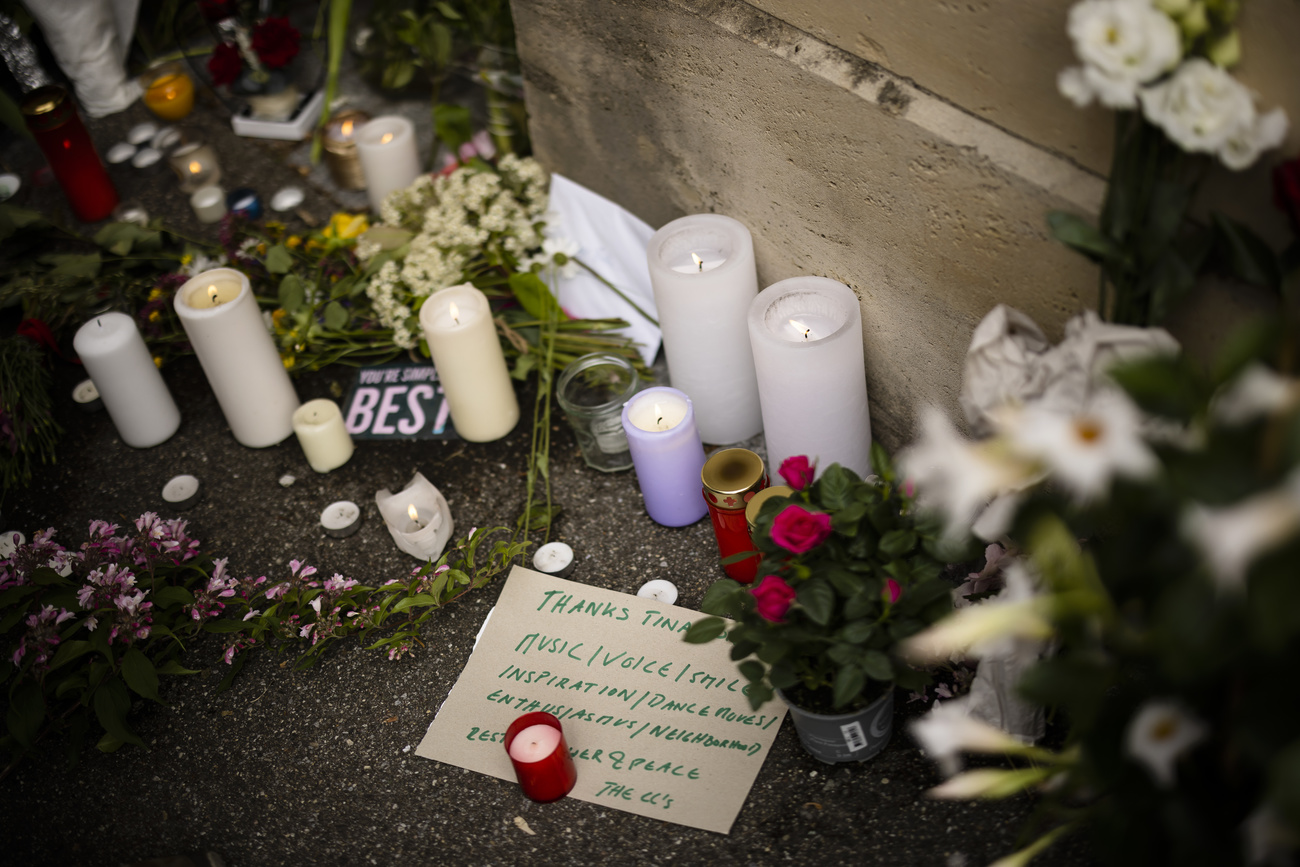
x=52 y=118
x=731 y=477
x=550 y=776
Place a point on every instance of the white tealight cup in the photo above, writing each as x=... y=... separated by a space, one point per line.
x=659 y=590
x=181 y=492
x=341 y=519
x=554 y=558
x=209 y=203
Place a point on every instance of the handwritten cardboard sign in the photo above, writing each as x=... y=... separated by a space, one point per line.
x=397 y=401
x=656 y=726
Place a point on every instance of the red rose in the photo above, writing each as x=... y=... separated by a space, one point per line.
x=773 y=597
x=276 y=42
x=798 y=472
x=1286 y=190
x=797 y=530
x=892 y=590
x=224 y=64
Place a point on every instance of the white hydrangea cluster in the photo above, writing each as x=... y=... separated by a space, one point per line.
x=385 y=291
x=428 y=268
x=1132 y=54
x=406 y=207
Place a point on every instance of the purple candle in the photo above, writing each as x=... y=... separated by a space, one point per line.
x=667 y=454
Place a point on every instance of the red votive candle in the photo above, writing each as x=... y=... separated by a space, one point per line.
x=535 y=744
x=52 y=118
x=731 y=477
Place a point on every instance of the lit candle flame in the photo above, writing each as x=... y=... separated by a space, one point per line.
x=346 y=128
x=801 y=328
x=455 y=312
x=195 y=167
x=414 y=513
x=699 y=263
x=387 y=137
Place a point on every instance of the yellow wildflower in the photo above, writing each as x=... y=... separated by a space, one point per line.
x=288 y=361
x=261 y=249
x=187 y=258
x=346 y=226
x=154 y=317
x=275 y=228
x=155 y=294
x=157 y=361
x=294 y=241
x=278 y=314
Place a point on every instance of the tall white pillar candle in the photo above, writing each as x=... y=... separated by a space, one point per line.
x=702 y=271
x=133 y=391
x=319 y=427
x=462 y=338
x=220 y=317
x=390 y=157
x=806 y=334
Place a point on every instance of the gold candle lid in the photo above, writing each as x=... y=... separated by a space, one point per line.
x=731 y=476
x=44 y=100
x=756 y=502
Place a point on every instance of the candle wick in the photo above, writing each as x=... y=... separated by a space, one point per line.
x=806 y=331
x=701 y=266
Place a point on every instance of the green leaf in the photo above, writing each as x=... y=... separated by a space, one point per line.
x=140 y=675
x=704 y=631
x=836 y=487
x=1072 y=231
x=336 y=316
x=849 y=682
x=26 y=713
x=881 y=465
x=172 y=667
x=68 y=684
x=69 y=651
x=847 y=584
x=896 y=543
x=236 y=666
x=858 y=631
x=773 y=651
x=109 y=744
x=861 y=605
x=111 y=706
x=291 y=294
x=752 y=671
x=343 y=287
x=876 y=665
x=279 y=260
x=224 y=625
x=79 y=266
x=535 y=296
x=165 y=597
x=817 y=599
x=121 y=238
x=1249 y=257
x=781 y=677
x=720 y=598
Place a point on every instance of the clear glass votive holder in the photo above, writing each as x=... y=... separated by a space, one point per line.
x=592 y=391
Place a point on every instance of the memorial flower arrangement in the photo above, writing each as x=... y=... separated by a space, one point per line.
x=849 y=569
x=1163 y=65
x=251 y=50
x=1174 y=619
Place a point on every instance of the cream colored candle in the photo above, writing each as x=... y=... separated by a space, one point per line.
x=220 y=317
x=462 y=339
x=390 y=157
x=209 y=203
x=324 y=440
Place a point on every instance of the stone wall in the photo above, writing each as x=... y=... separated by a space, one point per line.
x=907 y=148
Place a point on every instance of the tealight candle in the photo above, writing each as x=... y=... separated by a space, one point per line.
x=390 y=158
x=418 y=518
x=341 y=519
x=704 y=278
x=321 y=433
x=86 y=396
x=667 y=454
x=195 y=164
x=133 y=391
x=462 y=338
x=181 y=492
x=806 y=334
x=245 y=202
x=659 y=590
x=538 y=752
x=168 y=91
x=224 y=326
x=341 y=154
x=209 y=203
x=554 y=558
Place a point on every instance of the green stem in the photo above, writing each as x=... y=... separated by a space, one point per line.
x=617 y=291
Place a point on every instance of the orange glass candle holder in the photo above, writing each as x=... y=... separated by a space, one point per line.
x=168 y=91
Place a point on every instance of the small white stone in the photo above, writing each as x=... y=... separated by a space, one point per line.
x=287 y=480
x=120 y=152
x=287 y=198
x=146 y=157
x=141 y=133
x=167 y=137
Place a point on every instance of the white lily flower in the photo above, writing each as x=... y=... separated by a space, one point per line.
x=1159 y=734
x=1085 y=449
x=1018 y=612
x=1257 y=391
x=1200 y=107
x=1232 y=537
x=949 y=730
x=1123 y=44
x=956 y=476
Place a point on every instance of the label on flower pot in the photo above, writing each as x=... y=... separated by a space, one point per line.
x=397 y=401
x=656 y=726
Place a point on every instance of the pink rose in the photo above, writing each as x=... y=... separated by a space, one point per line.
x=797 y=472
x=773 y=596
x=892 y=590
x=797 y=530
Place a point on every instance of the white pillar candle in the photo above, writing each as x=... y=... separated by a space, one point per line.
x=220 y=317
x=322 y=435
x=133 y=391
x=702 y=271
x=806 y=334
x=390 y=157
x=462 y=338
x=209 y=203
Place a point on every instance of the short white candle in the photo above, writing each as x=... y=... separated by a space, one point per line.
x=209 y=203
x=224 y=326
x=534 y=743
x=322 y=435
x=133 y=391
x=87 y=397
x=811 y=373
x=390 y=157
x=553 y=558
x=659 y=590
x=181 y=491
x=462 y=338
x=341 y=519
x=702 y=307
